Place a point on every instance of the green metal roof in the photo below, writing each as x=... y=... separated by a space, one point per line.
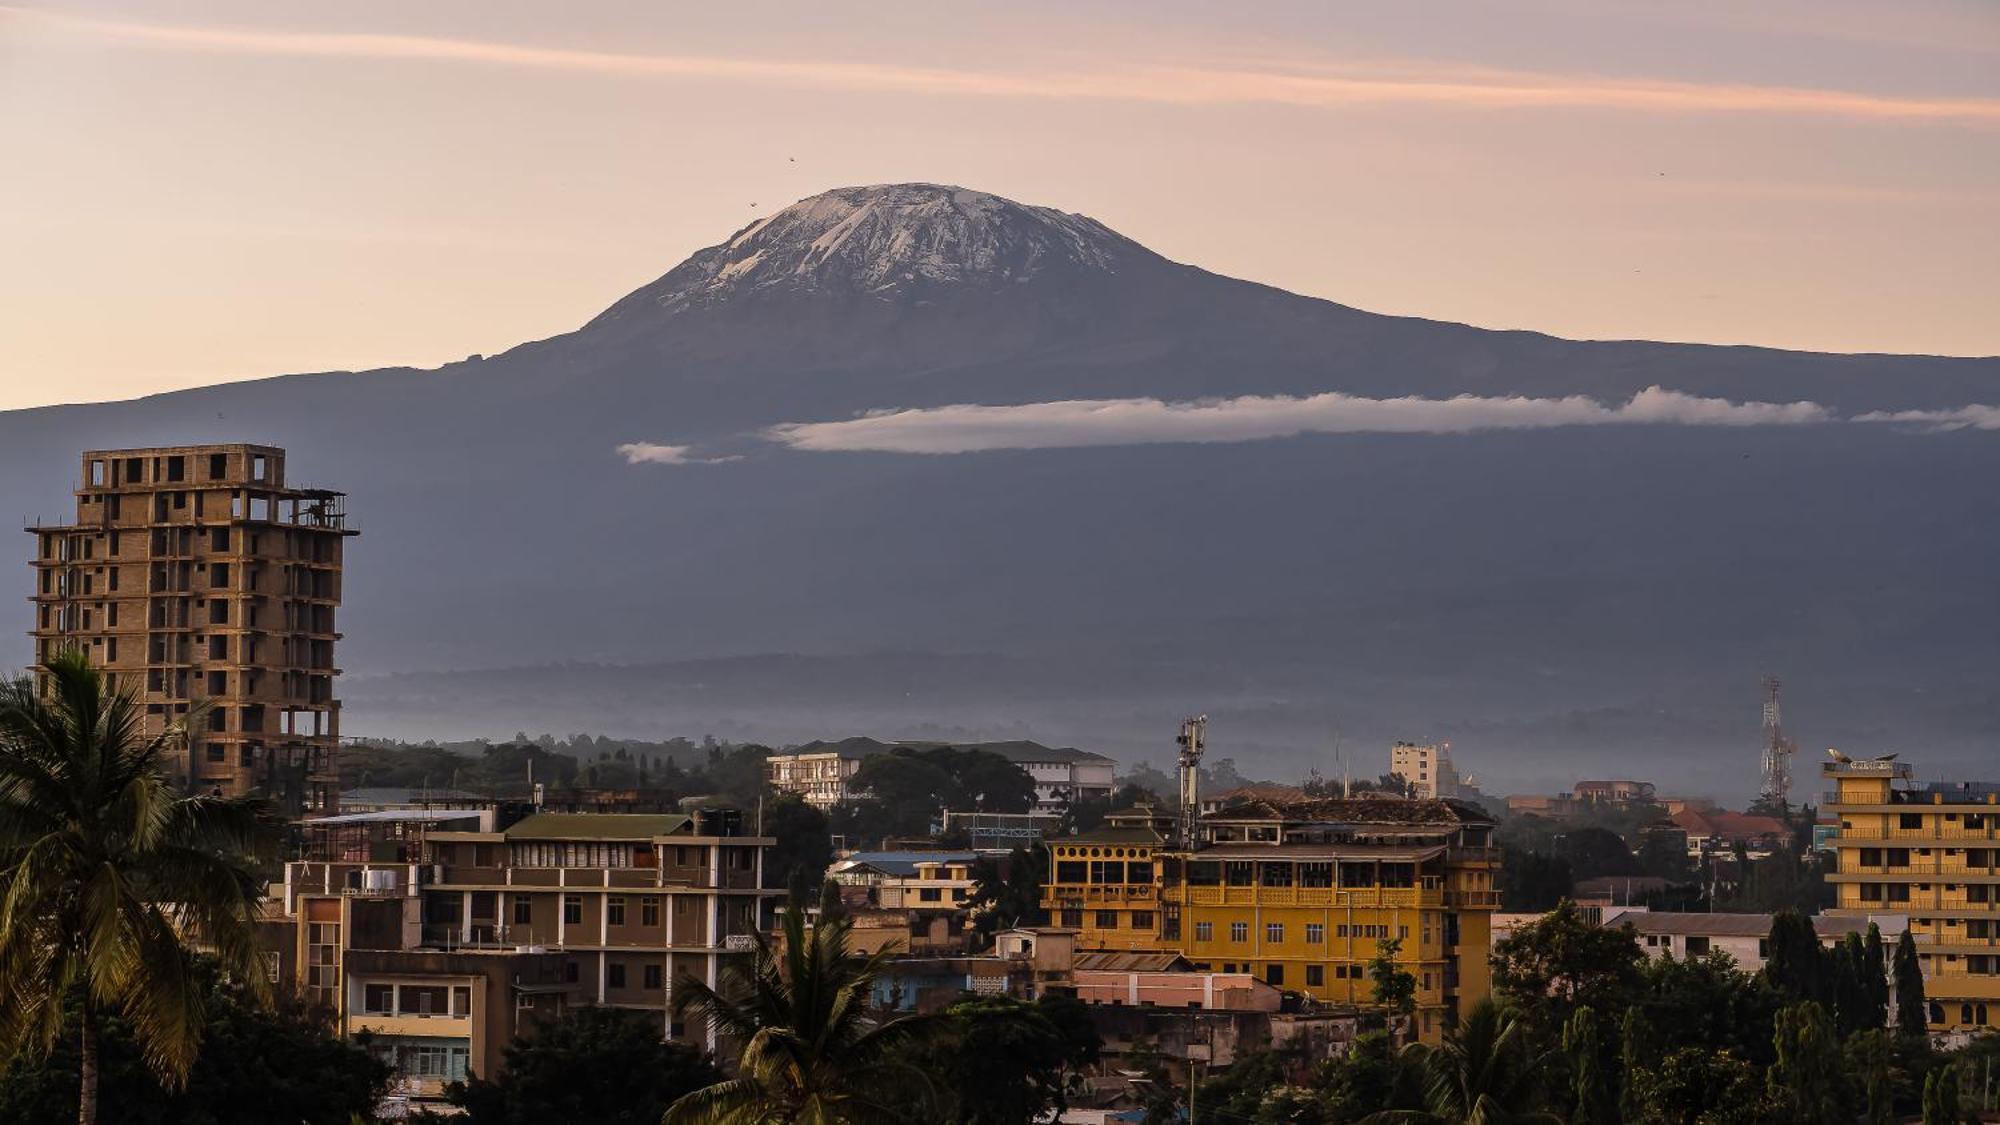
x=596 y=826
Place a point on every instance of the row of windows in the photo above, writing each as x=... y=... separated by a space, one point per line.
x=1274 y=932
x=1106 y=853
x=614 y=909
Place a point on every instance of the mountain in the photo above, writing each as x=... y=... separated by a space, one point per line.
x=1557 y=599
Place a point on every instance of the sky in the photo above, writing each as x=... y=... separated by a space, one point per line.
x=196 y=192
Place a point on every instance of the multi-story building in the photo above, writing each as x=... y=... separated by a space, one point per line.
x=1931 y=851
x=1301 y=894
x=199 y=576
x=1428 y=770
x=443 y=934
x=823 y=772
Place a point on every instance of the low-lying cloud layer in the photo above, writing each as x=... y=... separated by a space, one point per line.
x=1079 y=423
x=1974 y=417
x=1139 y=421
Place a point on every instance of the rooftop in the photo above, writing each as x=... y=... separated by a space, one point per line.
x=1441 y=812
x=394 y=795
x=898 y=864
x=596 y=826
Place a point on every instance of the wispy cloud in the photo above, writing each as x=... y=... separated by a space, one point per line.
x=1976 y=417
x=1307 y=84
x=649 y=453
x=1137 y=421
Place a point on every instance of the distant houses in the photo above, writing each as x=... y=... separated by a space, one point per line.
x=823 y=772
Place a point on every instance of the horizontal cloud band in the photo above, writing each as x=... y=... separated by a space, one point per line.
x=1138 y=421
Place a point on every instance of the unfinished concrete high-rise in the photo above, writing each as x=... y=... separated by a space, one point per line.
x=198 y=576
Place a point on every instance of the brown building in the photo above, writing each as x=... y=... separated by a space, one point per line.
x=199 y=575
x=443 y=934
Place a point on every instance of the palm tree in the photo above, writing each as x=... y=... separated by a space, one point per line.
x=811 y=1054
x=1484 y=1073
x=110 y=879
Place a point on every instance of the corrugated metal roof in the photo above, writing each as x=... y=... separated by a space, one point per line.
x=596 y=826
x=392 y=816
x=898 y=864
x=395 y=795
x=1711 y=925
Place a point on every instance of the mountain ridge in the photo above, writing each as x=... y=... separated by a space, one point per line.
x=1388 y=584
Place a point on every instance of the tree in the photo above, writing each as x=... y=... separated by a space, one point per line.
x=1395 y=987
x=1875 y=963
x=1008 y=896
x=1870 y=1056
x=1591 y=1088
x=809 y=1051
x=1593 y=851
x=111 y=877
x=1699 y=1086
x=1635 y=1054
x=1085 y=813
x=1944 y=1100
x=1547 y=969
x=606 y=1066
x=1808 y=1081
x=259 y=1063
x=1706 y=1001
x=1794 y=962
x=804 y=848
x=1484 y=1073
x=1911 y=1016
x=995 y=1060
x=1533 y=881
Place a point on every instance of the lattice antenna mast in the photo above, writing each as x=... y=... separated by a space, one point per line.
x=1778 y=749
x=1193 y=739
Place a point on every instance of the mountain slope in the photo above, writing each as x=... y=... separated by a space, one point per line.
x=1537 y=594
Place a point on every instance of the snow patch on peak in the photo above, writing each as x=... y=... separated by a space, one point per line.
x=890 y=239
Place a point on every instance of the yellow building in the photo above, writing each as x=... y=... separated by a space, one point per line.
x=1932 y=852
x=1299 y=893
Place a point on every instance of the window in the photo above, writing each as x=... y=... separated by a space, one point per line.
x=1142 y=919
x=614 y=911
x=1204 y=931
x=1315 y=975
x=1239 y=931
x=379 y=999
x=614 y=975
x=218 y=539
x=572 y=910
x=218 y=576
x=1107 y=919
x=1315 y=934
x=570 y=973
x=1274 y=932
x=1274 y=975
x=649 y=911
x=651 y=977
x=1071 y=871
x=524 y=910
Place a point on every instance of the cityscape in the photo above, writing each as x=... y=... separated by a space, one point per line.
x=1029 y=656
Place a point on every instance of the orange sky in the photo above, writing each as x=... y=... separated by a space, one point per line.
x=207 y=191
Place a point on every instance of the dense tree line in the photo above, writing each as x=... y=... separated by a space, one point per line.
x=1584 y=1028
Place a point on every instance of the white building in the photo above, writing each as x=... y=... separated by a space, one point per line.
x=1426 y=767
x=1742 y=936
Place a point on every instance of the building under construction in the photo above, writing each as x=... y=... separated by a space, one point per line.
x=197 y=575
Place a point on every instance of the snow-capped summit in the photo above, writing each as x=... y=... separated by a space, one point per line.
x=886 y=241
